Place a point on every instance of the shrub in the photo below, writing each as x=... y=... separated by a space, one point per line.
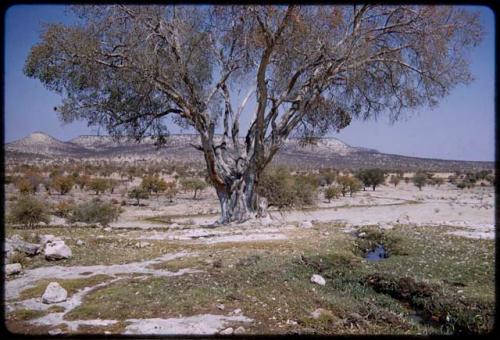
x=99 y=185
x=62 y=184
x=138 y=193
x=29 y=211
x=420 y=180
x=170 y=190
x=332 y=192
x=95 y=211
x=349 y=185
x=63 y=208
x=284 y=190
x=153 y=184
x=24 y=186
x=394 y=180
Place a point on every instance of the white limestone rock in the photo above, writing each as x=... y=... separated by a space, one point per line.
x=57 y=250
x=54 y=293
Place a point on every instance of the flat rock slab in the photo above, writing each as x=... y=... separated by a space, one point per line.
x=197 y=324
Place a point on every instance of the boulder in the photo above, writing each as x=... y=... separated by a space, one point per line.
x=54 y=293
x=240 y=330
x=227 y=331
x=57 y=250
x=13 y=268
x=80 y=243
x=17 y=243
x=306 y=225
x=220 y=306
x=318 y=279
x=107 y=229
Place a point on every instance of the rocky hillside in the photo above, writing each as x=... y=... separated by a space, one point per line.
x=326 y=152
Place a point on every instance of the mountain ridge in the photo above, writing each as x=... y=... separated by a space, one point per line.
x=327 y=152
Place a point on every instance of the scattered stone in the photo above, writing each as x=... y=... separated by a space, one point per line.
x=319 y=312
x=80 y=243
x=306 y=225
x=142 y=244
x=291 y=322
x=13 y=268
x=56 y=331
x=237 y=311
x=227 y=331
x=362 y=234
x=318 y=279
x=17 y=243
x=54 y=293
x=107 y=229
x=240 y=330
x=220 y=306
x=57 y=250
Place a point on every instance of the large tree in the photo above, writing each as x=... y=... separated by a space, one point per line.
x=308 y=69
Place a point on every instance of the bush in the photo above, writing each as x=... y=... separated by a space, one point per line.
x=95 y=211
x=349 y=185
x=394 y=180
x=62 y=184
x=63 y=209
x=332 y=192
x=99 y=185
x=29 y=211
x=420 y=180
x=371 y=177
x=138 y=193
x=284 y=190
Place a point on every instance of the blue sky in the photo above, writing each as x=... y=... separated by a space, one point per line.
x=461 y=127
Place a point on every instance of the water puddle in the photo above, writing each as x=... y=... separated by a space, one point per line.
x=377 y=254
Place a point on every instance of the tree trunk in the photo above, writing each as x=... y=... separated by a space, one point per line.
x=241 y=203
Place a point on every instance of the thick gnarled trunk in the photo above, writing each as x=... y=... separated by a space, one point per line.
x=238 y=201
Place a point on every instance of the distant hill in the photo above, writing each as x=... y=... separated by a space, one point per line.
x=326 y=152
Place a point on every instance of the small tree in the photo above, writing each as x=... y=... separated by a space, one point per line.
x=29 y=211
x=170 y=190
x=394 y=180
x=138 y=193
x=332 y=192
x=193 y=184
x=62 y=184
x=348 y=184
x=420 y=180
x=371 y=177
x=99 y=185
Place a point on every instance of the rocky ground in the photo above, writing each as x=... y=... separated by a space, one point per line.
x=164 y=268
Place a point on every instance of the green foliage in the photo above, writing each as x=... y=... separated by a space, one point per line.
x=332 y=192
x=154 y=184
x=62 y=184
x=193 y=184
x=29 y=211
x=420 y=180
x=349 y=184
x=371 y=177
x=99 y=185
x=284 y=190
x=95 y=211
x=138 y=193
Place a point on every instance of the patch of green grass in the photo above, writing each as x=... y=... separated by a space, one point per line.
x=180 y=263
x=25 y=314
x=71 y=285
